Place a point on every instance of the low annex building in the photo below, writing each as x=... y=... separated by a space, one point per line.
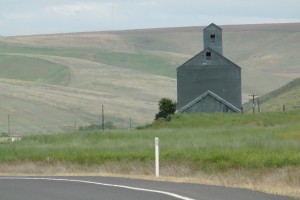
x=209 y=82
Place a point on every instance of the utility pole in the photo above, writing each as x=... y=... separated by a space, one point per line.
x=253 y=102
x=258 y=105
x=102 y=118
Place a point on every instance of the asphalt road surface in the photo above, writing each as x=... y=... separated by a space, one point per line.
x=108 y=188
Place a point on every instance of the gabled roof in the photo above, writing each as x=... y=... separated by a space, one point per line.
x=211 y=50
x=212 y=24
x=202 y=96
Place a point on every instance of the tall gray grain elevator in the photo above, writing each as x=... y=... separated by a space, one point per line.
x=209 y=82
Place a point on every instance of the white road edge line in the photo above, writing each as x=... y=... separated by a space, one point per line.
x=97 y=183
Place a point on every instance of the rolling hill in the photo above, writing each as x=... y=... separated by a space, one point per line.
x=285 y=98
x=55 y=83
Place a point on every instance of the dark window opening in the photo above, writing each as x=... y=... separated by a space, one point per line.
x=208 y=55
x=213 y=38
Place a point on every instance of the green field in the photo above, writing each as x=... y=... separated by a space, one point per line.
x=204 y=142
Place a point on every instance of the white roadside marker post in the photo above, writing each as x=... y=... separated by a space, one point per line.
x=157 y=157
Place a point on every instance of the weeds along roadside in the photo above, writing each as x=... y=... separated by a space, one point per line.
x=216 y=143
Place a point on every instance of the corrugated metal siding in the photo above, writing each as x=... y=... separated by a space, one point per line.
x=220 y=76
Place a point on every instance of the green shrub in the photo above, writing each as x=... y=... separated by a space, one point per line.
x=167 y=107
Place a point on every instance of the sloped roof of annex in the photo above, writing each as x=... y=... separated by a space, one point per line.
x=209 y=93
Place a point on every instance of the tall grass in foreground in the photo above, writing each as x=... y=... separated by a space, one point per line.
x=203 y=142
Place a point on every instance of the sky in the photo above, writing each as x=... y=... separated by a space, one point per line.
x=31 y=17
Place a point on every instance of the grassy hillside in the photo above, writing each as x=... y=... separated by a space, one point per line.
x=288 y=95
x=32 y=69
x=127 y=71
x=259 y=49
x=251 y=148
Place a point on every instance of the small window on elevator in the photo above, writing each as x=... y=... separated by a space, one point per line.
x=208 y=55
x=212 y=37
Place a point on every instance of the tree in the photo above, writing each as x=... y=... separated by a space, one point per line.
x=167 y=107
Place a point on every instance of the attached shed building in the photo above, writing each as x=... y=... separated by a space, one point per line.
x=209 y=82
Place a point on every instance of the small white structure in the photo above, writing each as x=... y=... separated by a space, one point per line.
x=15 y=138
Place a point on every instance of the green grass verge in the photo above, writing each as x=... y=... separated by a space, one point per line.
x=216 y=143
x=220 y=120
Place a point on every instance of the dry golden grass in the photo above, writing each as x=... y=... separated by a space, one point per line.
x=125 y=94
x=284 y=181
x=259 y=49
x=101 y=40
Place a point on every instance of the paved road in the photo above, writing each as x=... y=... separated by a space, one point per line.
x=107 y=188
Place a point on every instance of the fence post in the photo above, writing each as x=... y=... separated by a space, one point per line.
x=157 y=157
